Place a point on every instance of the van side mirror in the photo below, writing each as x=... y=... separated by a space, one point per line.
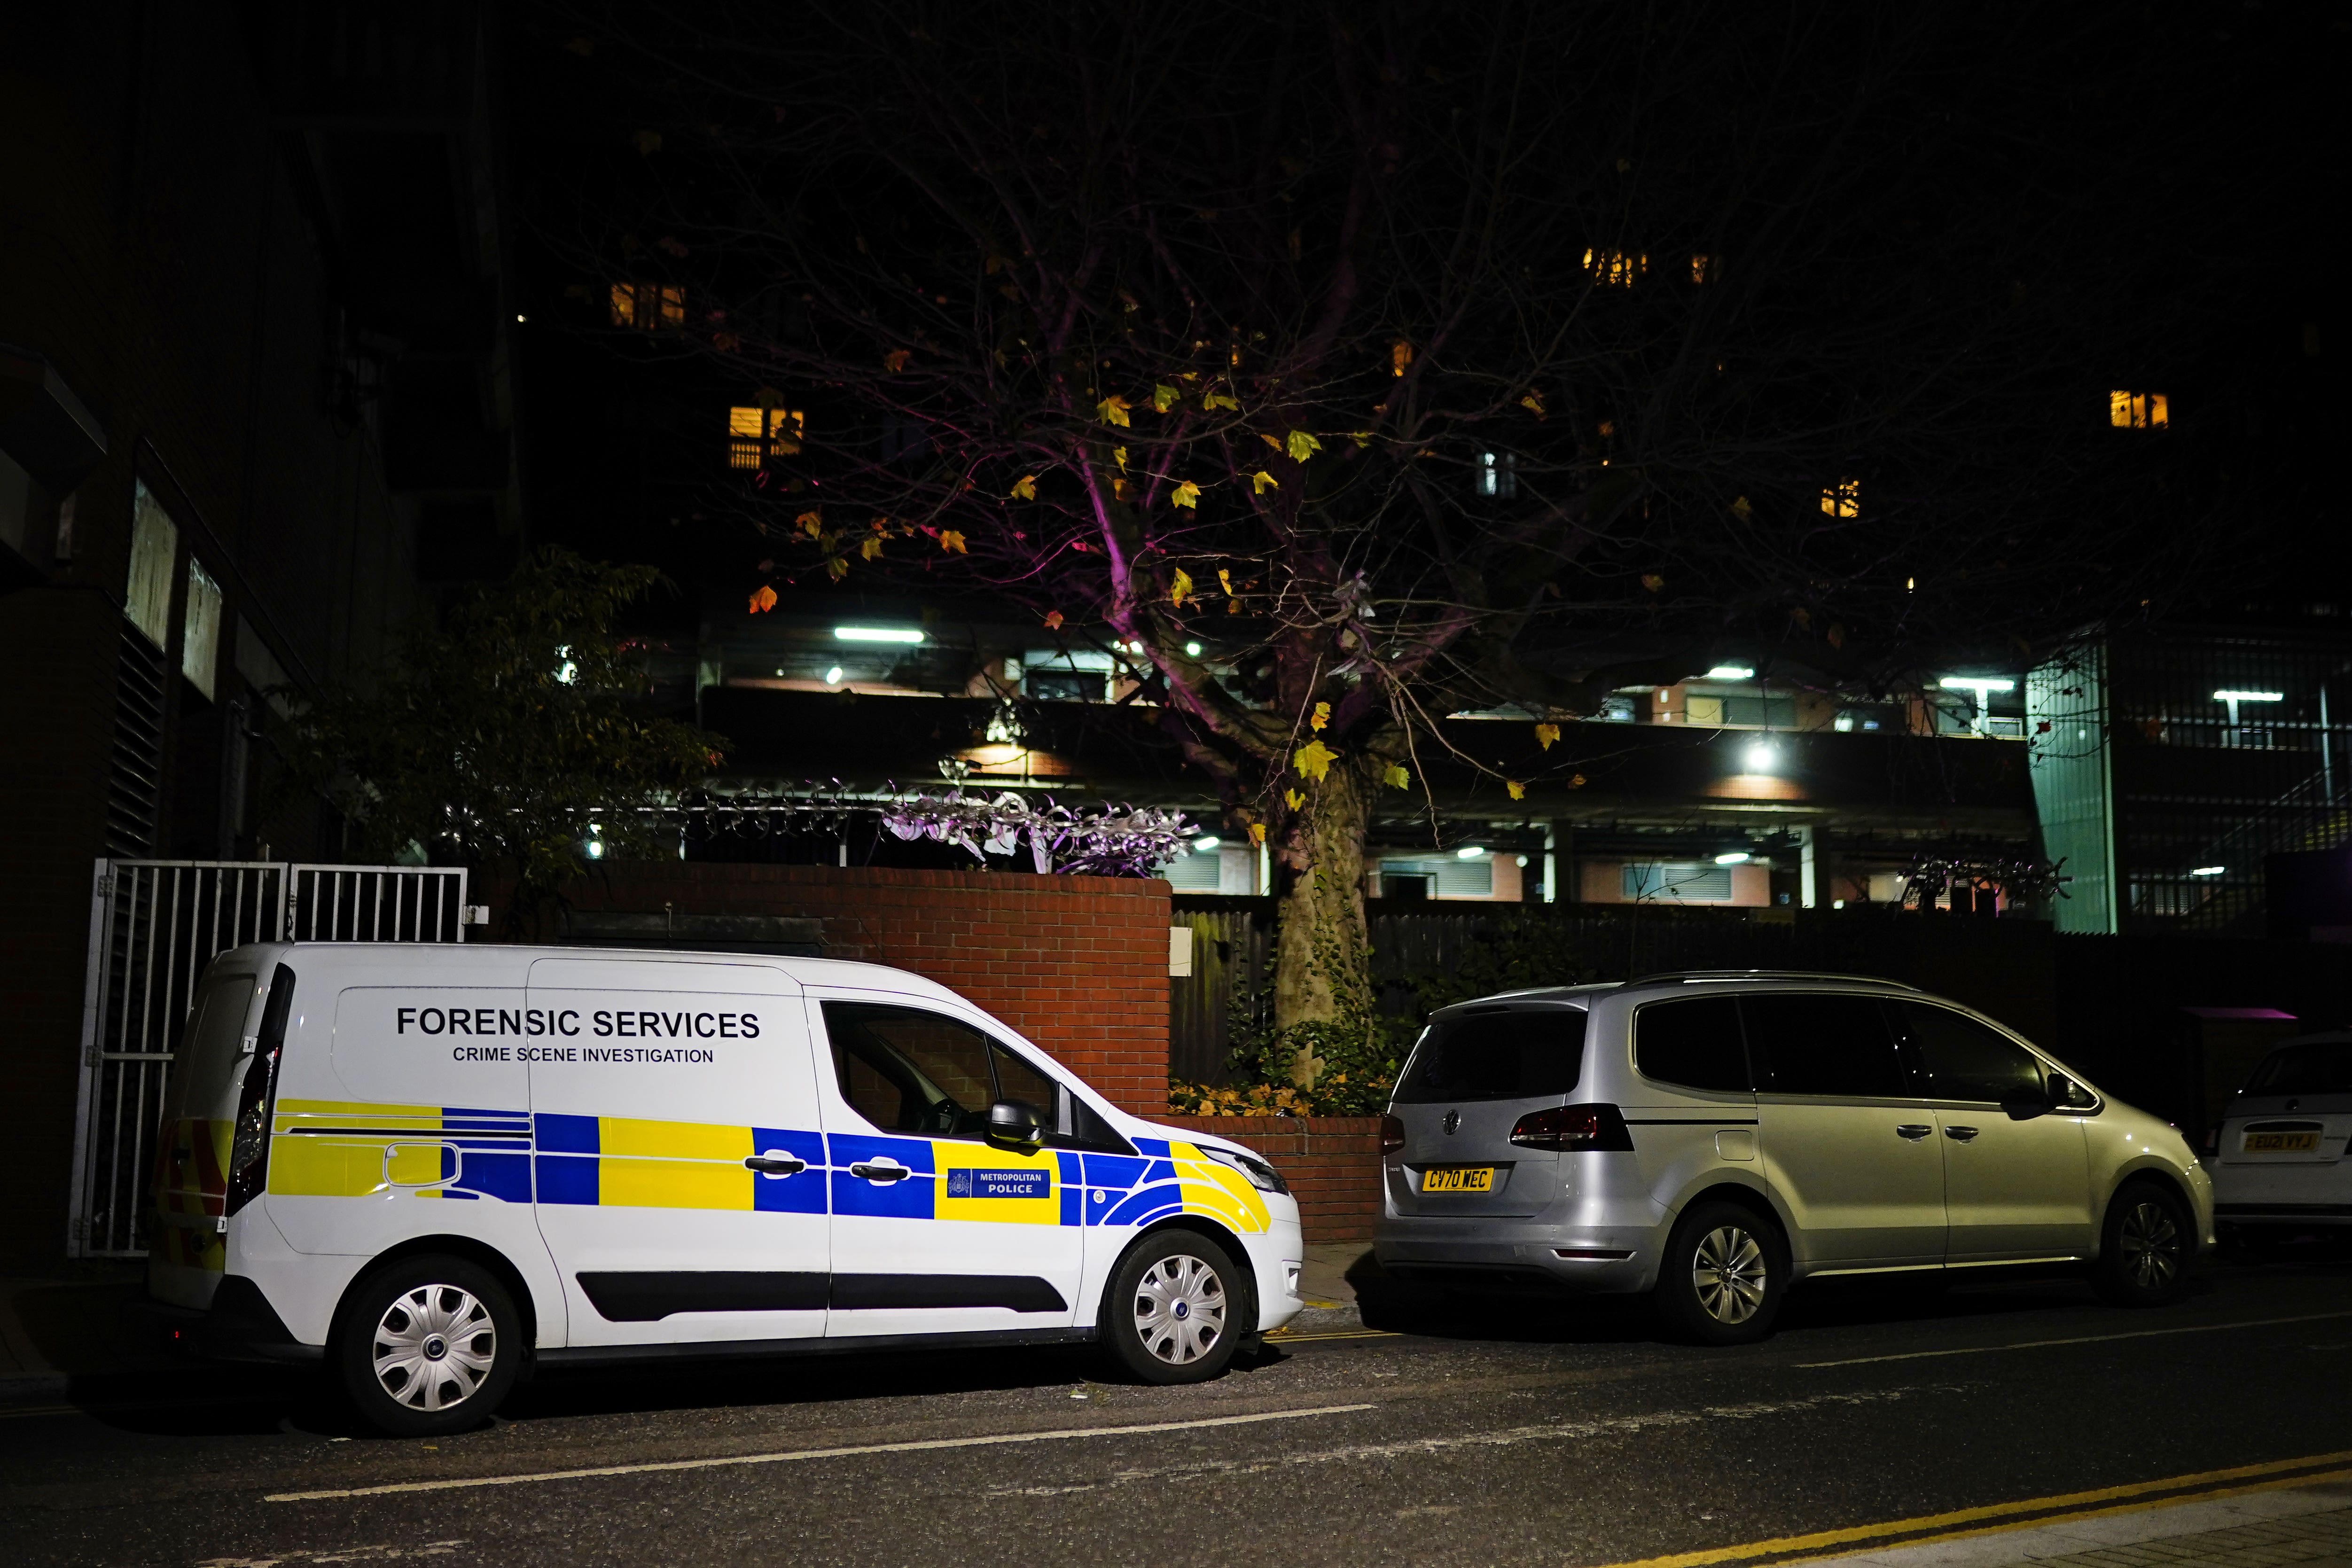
x=2024 y=1105
x=1015 y=1124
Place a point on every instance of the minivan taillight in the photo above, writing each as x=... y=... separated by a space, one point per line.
x=1569 y=1128
x=256 y=1098
x=1391 y=1135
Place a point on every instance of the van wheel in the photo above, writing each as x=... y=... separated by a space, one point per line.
x=2145 y=1248
x=1723 y=1276
x=1173 y=1311
x=429 y=1344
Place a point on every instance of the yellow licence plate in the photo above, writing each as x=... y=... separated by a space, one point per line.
x=2280 y=1143
x=1459 y=1178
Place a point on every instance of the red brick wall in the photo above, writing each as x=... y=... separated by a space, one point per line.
x=1077 y=964
x=1332 y=1163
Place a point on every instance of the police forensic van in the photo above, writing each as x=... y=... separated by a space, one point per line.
x=431 y=1168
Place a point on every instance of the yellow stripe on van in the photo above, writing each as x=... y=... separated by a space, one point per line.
x=1214 y=1188
x=673 y=1184
x=673 y=1140
x=361 y=1109
x=1045 y=1208
x=325 y=1168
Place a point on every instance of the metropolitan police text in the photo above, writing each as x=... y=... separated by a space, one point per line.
x=494 y=1023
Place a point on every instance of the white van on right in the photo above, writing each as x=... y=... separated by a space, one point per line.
x=2278 y=1159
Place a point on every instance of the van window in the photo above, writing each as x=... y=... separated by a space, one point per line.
x=2324 y=1068
x=1828 y=1046
x=907 y=1070
x=214 y=1045
x=1963 y=1060
x=1520 y=1054
x=1694 y=1043
x=1016 y=1079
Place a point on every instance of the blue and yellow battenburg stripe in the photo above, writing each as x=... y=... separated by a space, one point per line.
x=332 y=1149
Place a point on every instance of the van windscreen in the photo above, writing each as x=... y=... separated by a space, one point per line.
x=2323 y=1068
x=1522 y=1054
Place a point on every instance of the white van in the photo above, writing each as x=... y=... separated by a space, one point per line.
x=431 y=1167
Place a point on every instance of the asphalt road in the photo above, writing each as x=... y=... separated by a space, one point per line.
x=1508 y=1434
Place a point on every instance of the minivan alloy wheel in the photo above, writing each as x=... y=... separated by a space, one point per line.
x=2151 y=1244
x=1729 y=1272
x=434 y=1346
x=1180 y=1309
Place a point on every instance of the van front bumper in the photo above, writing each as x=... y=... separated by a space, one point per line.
x=240 y=1325
x=1492 y=1255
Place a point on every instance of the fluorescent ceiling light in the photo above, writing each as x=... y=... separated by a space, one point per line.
x=832 y=676
x=1760 y=758
x=2209 y=871
x=1978 y=683
x=1469 y=851
x=2248 y=697
x=877 y=634
x=1204 y=843
x=1731 y=672
x=1733 y=857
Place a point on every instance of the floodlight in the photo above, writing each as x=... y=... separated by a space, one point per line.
x=877 y=634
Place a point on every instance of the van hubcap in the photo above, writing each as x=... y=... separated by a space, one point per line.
x=1180 y=1310
x=434 y=1346
x=1729 y=1273
x=2151 y=1244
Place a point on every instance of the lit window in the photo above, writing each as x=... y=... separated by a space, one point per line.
x=1705 y=268
x=648 y=307
x=756 y=435
x=154 y=557
x=1843 y=499
x=200 y=631
x=1498 y=475
x=2137 y=410
x=1615 y=269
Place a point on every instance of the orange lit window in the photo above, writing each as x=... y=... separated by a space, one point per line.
x=756 y=435
x=1705 y=268
x=2137 y=410
x=1615 y=269
x=1843 y=499
x=648 y=307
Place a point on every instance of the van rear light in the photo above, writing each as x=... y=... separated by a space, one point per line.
x=1391 y=1135
x=256 y=1098
x=1573 y=1127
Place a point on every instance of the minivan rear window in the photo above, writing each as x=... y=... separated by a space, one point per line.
x=1520 y=1054
x=2324 y=1068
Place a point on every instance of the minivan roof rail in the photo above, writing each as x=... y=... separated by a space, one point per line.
x=1676 y=977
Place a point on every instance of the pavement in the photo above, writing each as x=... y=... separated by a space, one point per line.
x=1996 y=1423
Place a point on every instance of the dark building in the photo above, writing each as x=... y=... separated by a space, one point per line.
x=254 y=344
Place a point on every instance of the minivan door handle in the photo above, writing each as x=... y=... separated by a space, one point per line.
x=766 y=1166
x=1915 y=1131
x=881 y=1172
x=1959 y=1134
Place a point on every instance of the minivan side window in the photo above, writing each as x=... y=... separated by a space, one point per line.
x=1693 y=1043
x=1823 y=1045
x=1963 y=1060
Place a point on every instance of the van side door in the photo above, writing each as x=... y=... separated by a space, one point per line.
x=935 y=1229
x=681 y=1182
x=1848 y=1147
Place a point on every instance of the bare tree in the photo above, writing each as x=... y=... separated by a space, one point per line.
x=1356 y=366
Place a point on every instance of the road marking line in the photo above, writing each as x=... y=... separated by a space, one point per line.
x=1337 y=1334
x=2086 y=1339
x=2049 y=1510
x=924 y=1445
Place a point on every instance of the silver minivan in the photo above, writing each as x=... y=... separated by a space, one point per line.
x=1712 y=1137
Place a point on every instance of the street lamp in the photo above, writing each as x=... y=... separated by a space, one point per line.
x=905 y=634
x=1733 y=857
x=1759 y=759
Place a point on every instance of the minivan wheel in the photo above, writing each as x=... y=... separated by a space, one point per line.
x=2145 y=1248
x=429 y=1344
x=1174 y=1312
x=1723 y=1276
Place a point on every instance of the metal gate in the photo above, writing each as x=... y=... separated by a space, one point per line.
x=153 y=926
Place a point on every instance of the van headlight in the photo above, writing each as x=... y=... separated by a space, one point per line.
x=1260 y=1174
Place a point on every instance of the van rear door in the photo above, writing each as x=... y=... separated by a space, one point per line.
x=680 y=1168
x=190 y=1186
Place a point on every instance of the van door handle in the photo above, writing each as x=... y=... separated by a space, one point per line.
x=1959 y=1134
x=787 y=1166
x=881 y=1172
x=1915 y=1131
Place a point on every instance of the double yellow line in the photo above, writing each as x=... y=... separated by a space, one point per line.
x=1992 y=1518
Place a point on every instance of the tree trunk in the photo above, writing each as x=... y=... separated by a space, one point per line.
x=1322 y=971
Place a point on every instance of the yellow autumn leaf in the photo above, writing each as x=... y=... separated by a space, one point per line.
x=1741 y=509
x=1112 y=410
x=1533 y=404
x=1053 y=621
x=1217 y=399
x=1119 y=453
x=1301 y=446
x=1262 y=481
x=1272 y=441
x=1363 y=438
x=1396 y=777
x=1546 y=734
x=1314 y=759
x=837 y=568
x=762 y=598
x=1180 y=588
x=1322 y=716
x=1518 y=790
x=951 y=541
x=1652 y=582
x=1257 y=832
x=1577 y=782
x=1292 y=798
x=809 y=523
x=870 y=549
x=1186 y=495
x=1164 y=397
x=896 y=360
x=1225 y=579
x=1026 y=488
